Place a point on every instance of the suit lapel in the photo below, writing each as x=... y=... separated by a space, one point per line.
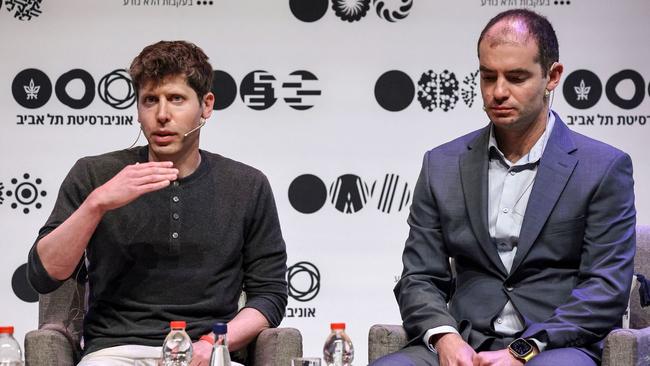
x=474 y=181
x=554 y=170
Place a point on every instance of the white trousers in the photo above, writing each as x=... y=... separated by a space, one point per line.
x=129 y=355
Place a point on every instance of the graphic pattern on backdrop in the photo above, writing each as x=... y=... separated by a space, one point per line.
x=334 y=100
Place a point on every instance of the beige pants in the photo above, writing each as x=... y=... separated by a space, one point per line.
x=130 y=355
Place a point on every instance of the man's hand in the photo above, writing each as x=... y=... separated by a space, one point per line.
x=496 y=358
x=202 y=351
x=132 y=182
x=61 y=250
x=244 y=327
x=453 y=350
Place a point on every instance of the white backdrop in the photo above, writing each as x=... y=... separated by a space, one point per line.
x=347 y=131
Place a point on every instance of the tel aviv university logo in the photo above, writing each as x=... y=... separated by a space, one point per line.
x=303 y=279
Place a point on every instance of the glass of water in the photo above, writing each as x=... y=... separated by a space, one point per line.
x=305 y=361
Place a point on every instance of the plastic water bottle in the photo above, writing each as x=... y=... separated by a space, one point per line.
x=338 y=350
x=220 y=354
x=10 y=354
x=177 y=348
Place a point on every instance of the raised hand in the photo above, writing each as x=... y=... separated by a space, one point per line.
x=61 y=250
x=132 y=182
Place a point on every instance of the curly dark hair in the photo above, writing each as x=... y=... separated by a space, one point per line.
x=539 y=28
x=169 y=58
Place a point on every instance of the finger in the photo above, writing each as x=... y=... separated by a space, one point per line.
x=140 y=168
x=151 y=187
x=476 y=360
x=140 y=178
x=140 y=171
x=164 y=164
x=153 y=179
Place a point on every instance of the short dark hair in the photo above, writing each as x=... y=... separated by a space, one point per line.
x=169 y=58
x=539 y=28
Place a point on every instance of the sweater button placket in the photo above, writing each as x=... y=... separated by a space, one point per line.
x=175 y=218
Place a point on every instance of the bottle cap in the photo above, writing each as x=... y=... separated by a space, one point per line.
x=220 y=328
x=340 y=326
x=177 y=324
x=9 y=330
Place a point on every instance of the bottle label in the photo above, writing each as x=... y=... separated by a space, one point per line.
x=338 y=353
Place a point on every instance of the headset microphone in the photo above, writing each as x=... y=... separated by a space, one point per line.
x=201 y=124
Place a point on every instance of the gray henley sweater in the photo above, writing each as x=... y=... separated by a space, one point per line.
x=181 y=253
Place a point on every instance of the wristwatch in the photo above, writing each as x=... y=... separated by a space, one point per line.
x=522 y=349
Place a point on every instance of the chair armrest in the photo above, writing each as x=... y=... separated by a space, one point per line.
x=277 y=346
x=48 y=347
x=384 y=339
x=627 y=347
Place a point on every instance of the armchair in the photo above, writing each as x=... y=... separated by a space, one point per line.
x=623 y=347
x=60 y=319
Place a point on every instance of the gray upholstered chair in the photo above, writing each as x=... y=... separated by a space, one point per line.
x=60 y=318
x=623 y=347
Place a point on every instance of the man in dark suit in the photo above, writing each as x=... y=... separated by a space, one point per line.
x=539 y=222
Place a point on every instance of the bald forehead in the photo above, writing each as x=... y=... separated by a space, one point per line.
x=508 y=31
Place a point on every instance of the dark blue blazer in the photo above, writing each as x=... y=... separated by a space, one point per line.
x=571 y=276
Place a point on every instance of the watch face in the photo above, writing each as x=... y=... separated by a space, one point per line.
x=521 y=347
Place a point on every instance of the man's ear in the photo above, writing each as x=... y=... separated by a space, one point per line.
x=208 y=105
x=554 y=75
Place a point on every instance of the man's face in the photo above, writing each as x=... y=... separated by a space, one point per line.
x=512 y=84
x=166 y=112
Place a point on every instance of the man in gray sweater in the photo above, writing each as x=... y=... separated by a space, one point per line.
x=165 y=231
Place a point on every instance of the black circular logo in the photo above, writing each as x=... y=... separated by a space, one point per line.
x=26 y=193
x=351 y=10
x=298 y=93
x=308 y=10
x=392 y=15
x=303 y=280
x=639 y=89
x=224 y=89
x=21 y=286
x=88 y=93
x=24 y=9
x=394 y=90
x=31 y=88
x=109 y=89
x=257 y=90
x=349 y=193
x=582 y=89
x=307 y=193
x=438 y=90
x=395 y=194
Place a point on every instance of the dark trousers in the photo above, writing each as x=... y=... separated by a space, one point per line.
x=420 y=355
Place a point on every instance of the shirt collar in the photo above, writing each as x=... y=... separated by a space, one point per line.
x=535 y=152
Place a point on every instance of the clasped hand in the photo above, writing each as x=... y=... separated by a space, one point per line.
x=454 y=351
